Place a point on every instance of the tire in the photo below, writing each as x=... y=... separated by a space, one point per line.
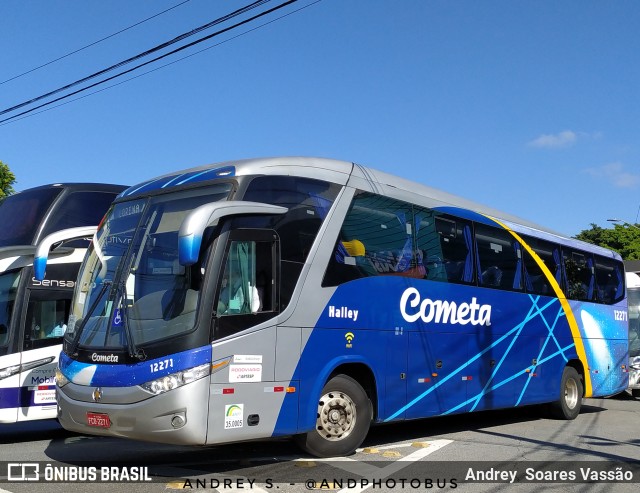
x=343 y=419
x=635 y=393
x=571 y=392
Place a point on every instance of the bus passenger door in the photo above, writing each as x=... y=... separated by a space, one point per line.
x=9 y=389
x=45 y=323
x=10 y=301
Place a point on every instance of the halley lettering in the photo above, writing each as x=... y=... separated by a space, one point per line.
x=439 y=311
x=343 y=312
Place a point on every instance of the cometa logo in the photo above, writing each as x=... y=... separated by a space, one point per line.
x=413 y=307
x=104 y=358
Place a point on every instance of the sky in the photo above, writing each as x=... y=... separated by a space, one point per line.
x=530 y=107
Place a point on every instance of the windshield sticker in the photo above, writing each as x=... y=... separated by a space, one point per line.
x=117 y=318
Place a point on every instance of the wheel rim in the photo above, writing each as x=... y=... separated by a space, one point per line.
x=336 y=416
x=571 y=393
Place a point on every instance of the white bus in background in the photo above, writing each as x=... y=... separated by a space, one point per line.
x=633 y=292
x=33 y=312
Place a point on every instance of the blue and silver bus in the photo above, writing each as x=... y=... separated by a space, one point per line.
x=33 y=312
x=312 y=297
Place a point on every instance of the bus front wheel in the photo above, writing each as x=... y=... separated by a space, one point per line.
x=342 y=421
x=571 y=391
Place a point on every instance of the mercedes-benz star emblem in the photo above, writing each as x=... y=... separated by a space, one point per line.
x=97 y=394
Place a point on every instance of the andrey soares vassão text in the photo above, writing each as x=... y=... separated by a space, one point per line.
x=530 y=474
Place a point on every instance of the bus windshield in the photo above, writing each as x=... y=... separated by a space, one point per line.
x=8 y=288
x=132 y=280
x=21 y=215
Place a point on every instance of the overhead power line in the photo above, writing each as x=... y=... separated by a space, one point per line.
x=93 y=44
x=143 y=54
x=24 y=115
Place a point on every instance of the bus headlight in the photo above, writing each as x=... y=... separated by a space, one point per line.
x=61 y=380
x=178 y=379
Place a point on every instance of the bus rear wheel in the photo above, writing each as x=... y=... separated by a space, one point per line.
x=342 y=421
x=571 y=392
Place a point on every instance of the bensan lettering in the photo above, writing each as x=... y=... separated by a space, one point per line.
x=104 y=358
x=413 y=307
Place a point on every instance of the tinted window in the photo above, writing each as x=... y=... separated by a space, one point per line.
x=308 y=202
x=609 y=280
x=22 y=213
x=536 y=281
x=579 y=278
x=8 y=290
x=47 y=314
x=376 y=239
x=79 y=209
x=444 y=247
x=499 y=259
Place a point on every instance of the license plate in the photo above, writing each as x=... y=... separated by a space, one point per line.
x=99 y=420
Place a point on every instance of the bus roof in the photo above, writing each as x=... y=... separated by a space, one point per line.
x=102 y=187
x=362 y=177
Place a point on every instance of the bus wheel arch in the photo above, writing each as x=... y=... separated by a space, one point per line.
x=571 y=392
x=345 y=411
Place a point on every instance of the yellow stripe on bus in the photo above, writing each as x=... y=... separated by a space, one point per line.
x=573 y=324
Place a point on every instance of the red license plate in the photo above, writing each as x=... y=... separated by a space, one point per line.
x=98 y=419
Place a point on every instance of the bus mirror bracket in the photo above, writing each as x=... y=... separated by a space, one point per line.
x=42 y=250
x=193 y=226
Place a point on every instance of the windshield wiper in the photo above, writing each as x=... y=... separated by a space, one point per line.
x=76 y=341
x=134 y=351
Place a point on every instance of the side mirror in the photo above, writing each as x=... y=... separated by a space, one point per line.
x=193 y=226
x=42 y=250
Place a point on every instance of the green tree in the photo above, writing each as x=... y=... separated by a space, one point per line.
x=7 y=179
x=624 y=239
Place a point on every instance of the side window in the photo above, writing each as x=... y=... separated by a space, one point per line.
x=47 y=313
x=579 y=278
x=8 y=291
x=499 y=259
x=80 y=209
x=376 y=239
x=247 y=291
x=444 y=245
x=238 y=293
x=609 y=280
x=308 y=202
x=536 y=281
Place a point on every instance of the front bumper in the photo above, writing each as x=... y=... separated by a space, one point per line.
x=153 y=419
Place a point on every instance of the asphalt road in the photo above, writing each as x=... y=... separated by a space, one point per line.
x=521 y=450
